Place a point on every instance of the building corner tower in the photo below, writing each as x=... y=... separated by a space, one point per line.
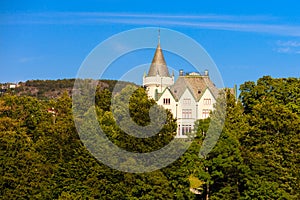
x=158 y=77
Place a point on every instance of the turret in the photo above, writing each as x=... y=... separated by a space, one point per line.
x=158 y=77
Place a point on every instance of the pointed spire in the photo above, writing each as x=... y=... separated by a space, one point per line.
x=158 y=35
x=158 y=65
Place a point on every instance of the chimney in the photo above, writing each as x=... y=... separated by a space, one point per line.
x=206 y=72
x=181 y=72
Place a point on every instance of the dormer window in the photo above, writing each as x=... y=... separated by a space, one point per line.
x=166 y=101
x=207 y=101
x=187 y=101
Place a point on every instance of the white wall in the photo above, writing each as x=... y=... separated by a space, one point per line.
x=158 y=83
x=183 y=103
x=172 y=106
x=202 y=105
x=176 y=108
x=186 y=102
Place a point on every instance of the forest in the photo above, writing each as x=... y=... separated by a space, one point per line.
x=257 y=155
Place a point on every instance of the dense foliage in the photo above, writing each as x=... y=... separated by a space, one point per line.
x=256 y=157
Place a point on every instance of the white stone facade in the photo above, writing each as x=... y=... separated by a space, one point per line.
x=190 y=98
x=186 y=108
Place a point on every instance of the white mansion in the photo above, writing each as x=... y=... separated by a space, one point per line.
x=190 y=98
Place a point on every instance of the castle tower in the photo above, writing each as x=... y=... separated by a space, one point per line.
x=158 y=77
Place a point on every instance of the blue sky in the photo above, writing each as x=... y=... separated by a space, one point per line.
x=246 y=39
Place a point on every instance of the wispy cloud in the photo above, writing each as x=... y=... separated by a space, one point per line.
x=288 y=43
x=291 y=47
x=255 y=23
x=29 y=59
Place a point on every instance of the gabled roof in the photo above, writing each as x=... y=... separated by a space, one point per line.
x=158 y=65
x=196 y=84
x=159 y=95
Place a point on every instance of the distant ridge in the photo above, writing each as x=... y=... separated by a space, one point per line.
x=49 y=89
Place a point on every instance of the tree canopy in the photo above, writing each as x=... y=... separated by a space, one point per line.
x=256 y=156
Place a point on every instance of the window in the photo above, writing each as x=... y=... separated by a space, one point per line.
x=167 y=101
x=205 y=113
x=186 y=129
x=186 y=113
x=207 y=101
x=187 y=101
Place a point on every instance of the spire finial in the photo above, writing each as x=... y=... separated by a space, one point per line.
x=159 y=35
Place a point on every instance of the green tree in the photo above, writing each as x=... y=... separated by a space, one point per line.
x=271 y=145
x=223 y=169
x=103 y=99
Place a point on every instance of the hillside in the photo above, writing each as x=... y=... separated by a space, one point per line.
x=49 y=89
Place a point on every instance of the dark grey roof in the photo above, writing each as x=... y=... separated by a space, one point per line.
x=158 y=65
